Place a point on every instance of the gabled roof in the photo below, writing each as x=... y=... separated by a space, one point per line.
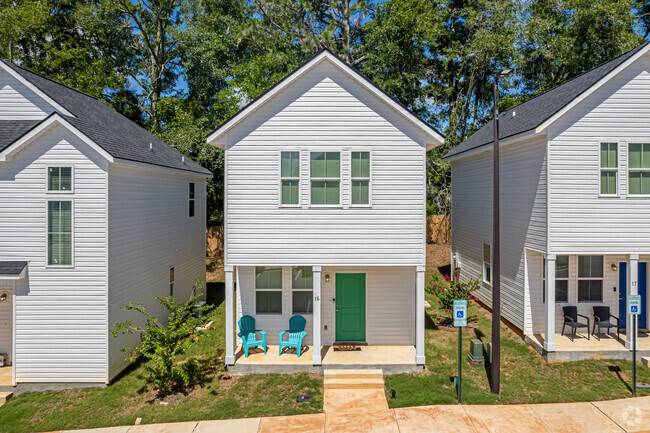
x=537 y=113
x=434 y=138
x=117 y=135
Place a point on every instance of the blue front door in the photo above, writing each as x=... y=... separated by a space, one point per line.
x=623 y=292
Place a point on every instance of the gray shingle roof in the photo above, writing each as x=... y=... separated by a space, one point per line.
x=113 y=132
x=534 y=112
x=12 y=268
x=10 y=130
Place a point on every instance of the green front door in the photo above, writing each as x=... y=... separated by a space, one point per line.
x=350 y=307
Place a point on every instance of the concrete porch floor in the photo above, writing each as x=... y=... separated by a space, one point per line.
x=390 y=359
x=608 y=347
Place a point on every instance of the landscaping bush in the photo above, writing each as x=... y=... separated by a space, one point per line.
x=454 y=289
x=162 y=345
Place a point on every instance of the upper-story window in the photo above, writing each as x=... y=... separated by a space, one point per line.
x=59 y=233
x=290 y=177
x=171 y=281
x=639 y=168
x=59 y=179
x=590 y=278
x=561 y=279
x=325 y=178
x=360 y=174
x=487 y=262
x=191 y=199
x=608 y=168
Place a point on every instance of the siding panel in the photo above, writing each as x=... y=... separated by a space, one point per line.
x=17 y=102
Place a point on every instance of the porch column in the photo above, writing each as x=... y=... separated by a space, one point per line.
x=230 y=322
x=633 y=289
x=549 y=337
x=316 y=357
x=419 y=315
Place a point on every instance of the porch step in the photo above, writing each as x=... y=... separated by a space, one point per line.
x=354 y=374
x=353 y=379
x=646 y=360
x=4 y=396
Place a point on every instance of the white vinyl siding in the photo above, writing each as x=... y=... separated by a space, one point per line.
x=390 y=304
x=147 y=238
x=325 y=111
x=61 y=324
x=18 y=102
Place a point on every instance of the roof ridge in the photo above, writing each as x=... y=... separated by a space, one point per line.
x=638 y=47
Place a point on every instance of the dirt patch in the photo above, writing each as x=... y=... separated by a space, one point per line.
x=438 y=256
x=215 y=272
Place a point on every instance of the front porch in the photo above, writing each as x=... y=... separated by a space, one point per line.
x=390 y=359
x=608 y=347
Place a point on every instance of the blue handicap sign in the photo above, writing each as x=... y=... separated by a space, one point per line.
x=459 y=314
x=634 y=308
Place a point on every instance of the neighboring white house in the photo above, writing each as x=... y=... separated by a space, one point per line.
x=325 y=210
x=575 y=196
x=94 y=212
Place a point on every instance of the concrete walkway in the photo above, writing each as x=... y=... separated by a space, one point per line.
x=628 y=415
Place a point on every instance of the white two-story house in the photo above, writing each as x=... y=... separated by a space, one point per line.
x=575 y=200
x=325 y=211
x=94 y=212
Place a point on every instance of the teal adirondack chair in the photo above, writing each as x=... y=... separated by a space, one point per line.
x=296 y=334
x=248 y=334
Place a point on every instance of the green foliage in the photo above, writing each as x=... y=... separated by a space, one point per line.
x=162 y=344
x=446 y=294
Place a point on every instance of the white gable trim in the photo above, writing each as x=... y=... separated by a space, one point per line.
x=217 y=138
x=592 y=89
x=54 y=119
x=35 y=89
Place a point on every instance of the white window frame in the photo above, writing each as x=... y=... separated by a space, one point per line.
x=302 y=290
x=172 y=281
x=72 y=234
x=369 y=178
x=489 y=264
x=628 y=170
x=579 y=278
x=567 y=279
x=47 y=178
x=616 y=169
x=340 y=178
x=299 y=178
x=281 y=290
x=191 y=201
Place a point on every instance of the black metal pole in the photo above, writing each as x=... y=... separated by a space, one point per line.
x=496 y=252
x=635 y=324
x=460 y=362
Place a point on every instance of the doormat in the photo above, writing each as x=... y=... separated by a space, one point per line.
x=346 y=347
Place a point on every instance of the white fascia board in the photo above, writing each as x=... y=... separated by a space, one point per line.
x=54 y=119
x=217 y=138
x=144 y=165
x=507 y=140
x=592 y=89
x=35 y=89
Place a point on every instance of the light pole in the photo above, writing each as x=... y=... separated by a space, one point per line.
x=496 y=250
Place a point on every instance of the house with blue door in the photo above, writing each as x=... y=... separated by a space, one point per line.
x=575 y=208
x=325 y=211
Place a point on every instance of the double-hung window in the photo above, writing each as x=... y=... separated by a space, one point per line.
x=302 y=286
x=608 y=168
x=59 y=233
x=590 y=278
x=59 y=179
x=561 y=279
x=639 y=168
x=360 y=177
x=268 y=290
x=191 y=202
x=290 y=177
x=487 y=261
x=325 y=172
x=171 y=281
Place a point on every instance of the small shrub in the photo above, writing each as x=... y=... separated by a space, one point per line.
x=162 y=344
x=456 y=289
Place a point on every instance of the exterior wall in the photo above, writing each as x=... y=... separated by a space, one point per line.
x=18 y=102
x=390 y=304
x=581 y=221
x=523 y=217
x=150 y=232
x=60 y=327
x=325 y=110
x=6 y=320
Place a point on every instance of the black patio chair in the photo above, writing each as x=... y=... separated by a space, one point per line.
x=601 y=320
x=571 y=320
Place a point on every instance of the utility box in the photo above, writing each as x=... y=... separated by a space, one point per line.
x=475 y=355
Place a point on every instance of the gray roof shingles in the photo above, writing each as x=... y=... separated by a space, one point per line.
x=114 y=133
x=12 y=268
x=534 y=112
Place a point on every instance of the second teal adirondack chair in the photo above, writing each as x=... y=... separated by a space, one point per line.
x=248 y=334
x=296 y=334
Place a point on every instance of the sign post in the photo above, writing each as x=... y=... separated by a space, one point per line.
x=460 y=320
x=634 y=309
